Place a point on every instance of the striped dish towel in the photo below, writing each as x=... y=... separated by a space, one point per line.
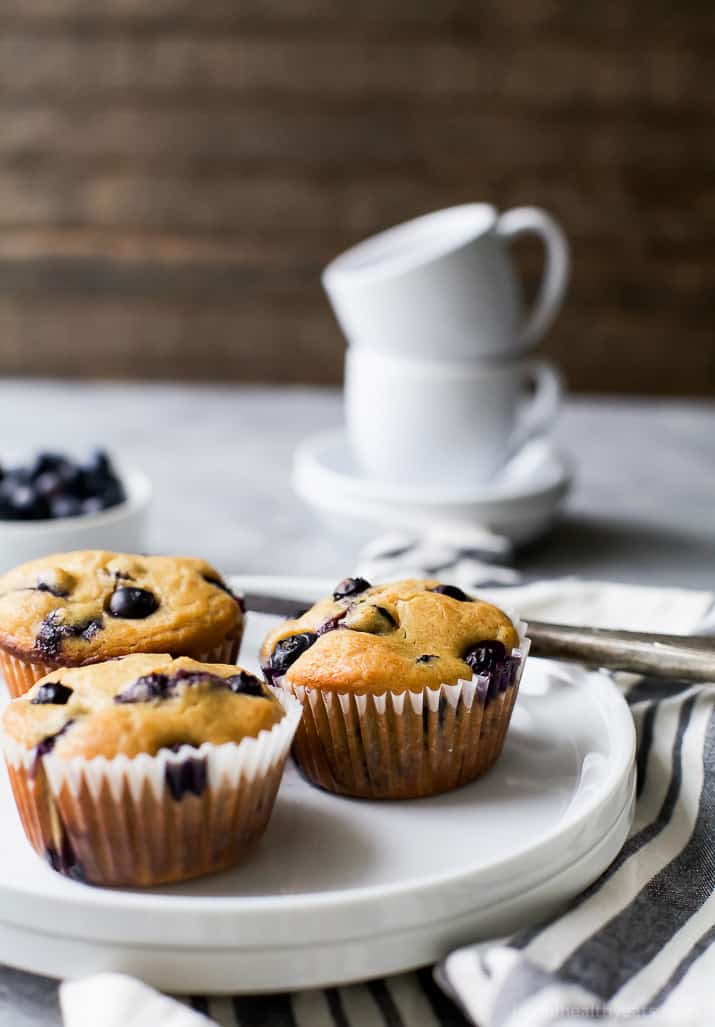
x=639 y=945
x=635 y=948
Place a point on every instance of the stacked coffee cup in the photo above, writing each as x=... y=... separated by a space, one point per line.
x=439 y=387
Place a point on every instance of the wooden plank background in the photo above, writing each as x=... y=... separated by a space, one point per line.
x=173 y=175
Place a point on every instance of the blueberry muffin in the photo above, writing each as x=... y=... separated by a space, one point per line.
x=407 y=688
x=78 y=608
x=146 y=769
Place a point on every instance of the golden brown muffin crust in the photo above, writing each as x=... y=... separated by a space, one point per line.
x=194 y=612
x=194 y=711
x=390 y=637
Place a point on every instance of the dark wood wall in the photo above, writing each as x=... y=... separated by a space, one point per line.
x=174 y=173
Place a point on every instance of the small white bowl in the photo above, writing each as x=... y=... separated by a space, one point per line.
x=121 y=528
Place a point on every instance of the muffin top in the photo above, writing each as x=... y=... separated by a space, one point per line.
x=139 y=704
x=82 y=607
x=407 y=635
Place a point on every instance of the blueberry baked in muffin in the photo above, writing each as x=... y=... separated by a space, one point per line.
x=407 y=688
x=147 y=769
x=77 y=608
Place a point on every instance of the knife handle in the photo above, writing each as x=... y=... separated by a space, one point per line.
x=690 y=658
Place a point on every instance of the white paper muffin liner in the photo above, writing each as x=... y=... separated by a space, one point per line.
x=20 y=675
x=152 y=819
x=226 y=652
x=403 y=744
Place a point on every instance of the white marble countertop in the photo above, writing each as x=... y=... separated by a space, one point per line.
x=643 y=507
x=642 y=510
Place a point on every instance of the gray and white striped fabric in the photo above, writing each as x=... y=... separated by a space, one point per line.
x=410 y=1000
x=639 y=944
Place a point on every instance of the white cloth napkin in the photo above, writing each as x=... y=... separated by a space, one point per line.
x=117 y=1000
x=538 y=978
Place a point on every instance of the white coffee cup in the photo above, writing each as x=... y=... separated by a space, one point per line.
x=444 y=286
x=418 y=422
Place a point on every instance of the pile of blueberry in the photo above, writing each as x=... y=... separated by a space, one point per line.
x=54 y=486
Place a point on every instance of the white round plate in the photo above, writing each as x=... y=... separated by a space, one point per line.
x=520 y=503
x=343 y=889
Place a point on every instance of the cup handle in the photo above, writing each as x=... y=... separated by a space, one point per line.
x=521 y=221
x=539 y=412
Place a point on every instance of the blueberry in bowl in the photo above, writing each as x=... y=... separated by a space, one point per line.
x=53 y=485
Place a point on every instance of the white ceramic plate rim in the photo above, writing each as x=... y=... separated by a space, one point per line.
x=522 y=869
x=616 y=714
x=620 y=720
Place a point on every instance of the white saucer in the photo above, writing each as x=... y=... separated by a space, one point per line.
x=520 y=504
x=340 y=889
x=122 y=528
